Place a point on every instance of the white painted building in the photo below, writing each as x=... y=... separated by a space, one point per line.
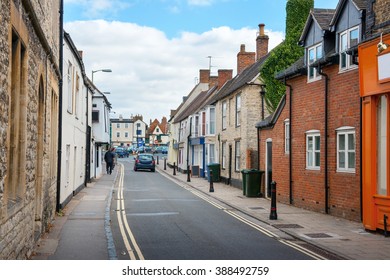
x=74 y=123
x=100 y=131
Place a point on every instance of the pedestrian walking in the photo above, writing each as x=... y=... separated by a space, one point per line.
x=109 y=158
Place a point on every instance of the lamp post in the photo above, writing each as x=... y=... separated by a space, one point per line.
x=100 y=70
x=262 y=94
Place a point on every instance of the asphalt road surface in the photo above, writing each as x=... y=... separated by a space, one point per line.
x=153 y=218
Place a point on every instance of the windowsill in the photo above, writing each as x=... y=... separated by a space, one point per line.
x=313 y=80
x=351 y=68
x=350 y=171
x=313 y=168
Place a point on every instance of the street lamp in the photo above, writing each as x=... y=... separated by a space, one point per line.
x=100 y=70
x=262 y=94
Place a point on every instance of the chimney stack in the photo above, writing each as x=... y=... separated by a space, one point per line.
x=244 y=59
x=204 y=76
x=261 y=42
x=224 y=75
x=213 y=81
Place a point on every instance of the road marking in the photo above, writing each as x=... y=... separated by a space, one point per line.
x=248 y=222
x=123 y=224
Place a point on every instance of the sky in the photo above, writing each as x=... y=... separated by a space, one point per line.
x=155 y=48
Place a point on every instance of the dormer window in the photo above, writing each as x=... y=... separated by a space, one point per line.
x=314 y=53
x=348 y=39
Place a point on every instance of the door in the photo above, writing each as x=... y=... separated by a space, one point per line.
x=230 y=164
x=268 y=166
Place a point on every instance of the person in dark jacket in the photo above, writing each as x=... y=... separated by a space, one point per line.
x=109 y=158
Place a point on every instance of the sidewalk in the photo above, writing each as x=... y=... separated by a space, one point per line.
x=344 y=238
x=83 y=232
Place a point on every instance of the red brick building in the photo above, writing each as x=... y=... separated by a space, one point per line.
x=310 y=145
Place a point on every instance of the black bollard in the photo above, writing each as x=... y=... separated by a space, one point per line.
x=165 y=164
x=273 y=215
x=174 y=168
x=158 y=161
x=211 y=182
x=188 y=174
x=385 y=225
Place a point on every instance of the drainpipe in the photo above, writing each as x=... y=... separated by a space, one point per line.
x=326 y=138
x=361 y=156
x=290 y=142
x=188 y=151
x=59 y=151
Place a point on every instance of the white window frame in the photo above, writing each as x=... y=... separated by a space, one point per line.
x=237 y=152
x=343 y=47
x=287 y=136
x=224 y=115
x=346 y=131
x=311 y=153
x=212 y=121
x=224 y=144
x=238 y=110
x=70 y=89
x=317 y=50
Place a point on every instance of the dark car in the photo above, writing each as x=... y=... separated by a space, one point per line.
x=121 y=152
x=145 y=161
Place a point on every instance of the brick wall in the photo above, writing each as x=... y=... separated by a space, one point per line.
x=308 y=186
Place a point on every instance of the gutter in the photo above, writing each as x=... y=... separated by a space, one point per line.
x=59 y=151
x=326 y=138
x=290 y=142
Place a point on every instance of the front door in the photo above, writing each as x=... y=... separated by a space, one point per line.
x=268 y=167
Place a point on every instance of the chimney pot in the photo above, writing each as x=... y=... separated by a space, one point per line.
x=261 y=29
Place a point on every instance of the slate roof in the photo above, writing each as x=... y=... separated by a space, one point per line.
x=196 y=104
x=270 y=121
x=359 y=4
x=239 y=80
x=323 y=17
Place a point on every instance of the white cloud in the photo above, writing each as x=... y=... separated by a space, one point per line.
x=152 y=73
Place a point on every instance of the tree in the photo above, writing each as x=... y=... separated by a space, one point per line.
x=286 y=53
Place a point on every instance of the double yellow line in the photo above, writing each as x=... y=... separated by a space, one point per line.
x=250 y=223
x=128 y=238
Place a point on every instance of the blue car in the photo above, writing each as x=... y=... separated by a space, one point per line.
x=145 y=161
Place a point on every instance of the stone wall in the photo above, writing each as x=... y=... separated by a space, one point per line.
x=33 y=212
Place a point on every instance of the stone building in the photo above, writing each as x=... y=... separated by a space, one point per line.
x=29 y=94
x=238 y=105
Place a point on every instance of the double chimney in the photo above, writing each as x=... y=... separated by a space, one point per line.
x=224 y=75
x=245 y=59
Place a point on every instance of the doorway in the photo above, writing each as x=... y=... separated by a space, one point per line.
x=268 y=166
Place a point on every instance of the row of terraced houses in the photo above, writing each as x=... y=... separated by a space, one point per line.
x=326 y=145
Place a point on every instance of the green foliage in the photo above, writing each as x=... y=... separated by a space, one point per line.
x=286 y=53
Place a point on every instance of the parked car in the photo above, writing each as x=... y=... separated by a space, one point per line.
x=145 y=161
x=121 y=152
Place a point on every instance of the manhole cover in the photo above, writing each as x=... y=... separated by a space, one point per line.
x=255 y=208
x=288 y=226
x=318 y=235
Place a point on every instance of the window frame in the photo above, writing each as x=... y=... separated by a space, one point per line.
x=224 y=115
x=238 y=110
x=348 y=58
x=237 y=155
x=287 y=136
x=315 y=76
x=346 y=130
x=315 y=134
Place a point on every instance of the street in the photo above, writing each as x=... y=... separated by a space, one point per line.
x=154 y=218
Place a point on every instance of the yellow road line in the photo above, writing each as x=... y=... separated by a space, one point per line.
x=123 y=224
